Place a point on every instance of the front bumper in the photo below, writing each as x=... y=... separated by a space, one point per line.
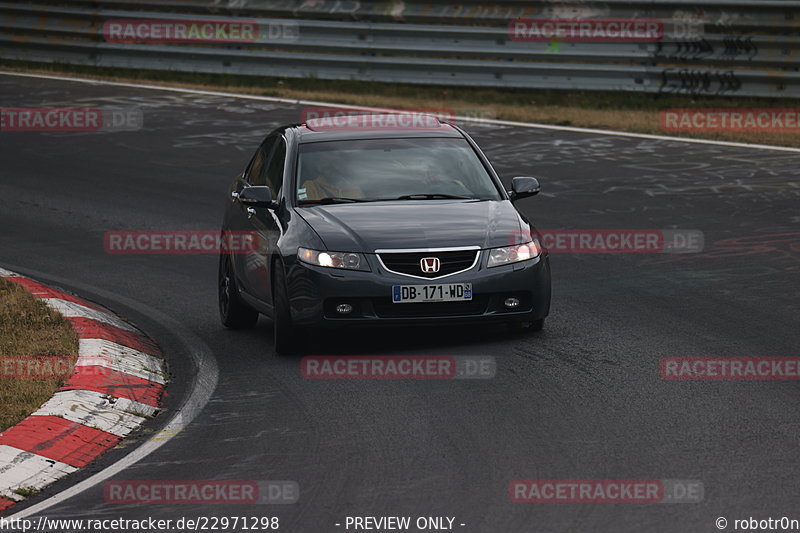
x=316 y=291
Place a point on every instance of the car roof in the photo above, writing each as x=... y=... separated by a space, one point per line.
x=373 y=126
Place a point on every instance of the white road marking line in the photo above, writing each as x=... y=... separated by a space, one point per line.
x=74 y=310
x=21 y=469
x=293 y=101
x=95 y=410
x=120 y=358
x=8 y=274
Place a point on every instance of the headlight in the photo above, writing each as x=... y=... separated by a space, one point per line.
x=514 y=254
x=346 y=260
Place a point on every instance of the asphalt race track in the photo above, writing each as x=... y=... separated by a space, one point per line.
x=584 y=399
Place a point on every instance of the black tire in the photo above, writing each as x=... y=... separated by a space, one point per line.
x=234 y=313
x=285 y=339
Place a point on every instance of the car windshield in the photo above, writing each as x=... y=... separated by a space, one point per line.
x=391 y=169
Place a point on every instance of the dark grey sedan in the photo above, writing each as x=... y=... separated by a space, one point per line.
x=378 y=221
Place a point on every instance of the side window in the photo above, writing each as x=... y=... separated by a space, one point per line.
x=274 y=168
x=255 y=174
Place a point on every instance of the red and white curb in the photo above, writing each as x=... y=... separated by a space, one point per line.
x=117 y=384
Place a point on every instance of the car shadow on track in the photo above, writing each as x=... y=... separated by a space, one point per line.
x=487 y=339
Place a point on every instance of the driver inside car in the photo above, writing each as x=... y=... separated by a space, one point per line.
x=327 y=183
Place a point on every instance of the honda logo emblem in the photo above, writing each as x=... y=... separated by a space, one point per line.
x=430 y=265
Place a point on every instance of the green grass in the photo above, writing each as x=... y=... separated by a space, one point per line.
x=26 y=492
x=29 y=328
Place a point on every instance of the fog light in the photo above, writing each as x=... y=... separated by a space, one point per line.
x=344 y=309
x=511 y=303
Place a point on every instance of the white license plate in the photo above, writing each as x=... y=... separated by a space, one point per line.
x=452 y=292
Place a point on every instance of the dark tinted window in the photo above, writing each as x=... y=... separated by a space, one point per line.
x=256 y=172
x=274 y=167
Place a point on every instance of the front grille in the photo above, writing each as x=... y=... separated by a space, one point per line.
x=409 y=262
x=384 y=308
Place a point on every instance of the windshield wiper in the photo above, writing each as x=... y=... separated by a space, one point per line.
x=340 y=200
x=434 y=196
x=332 y=200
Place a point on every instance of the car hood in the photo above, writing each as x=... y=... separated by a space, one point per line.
x=414 y=224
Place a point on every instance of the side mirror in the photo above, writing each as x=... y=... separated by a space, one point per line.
x=522 y=187
x=258 y=196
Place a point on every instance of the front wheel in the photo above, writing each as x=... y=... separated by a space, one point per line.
x=234 y=313
x=285 y=340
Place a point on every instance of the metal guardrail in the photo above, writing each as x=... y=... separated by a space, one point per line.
x=734 y=47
